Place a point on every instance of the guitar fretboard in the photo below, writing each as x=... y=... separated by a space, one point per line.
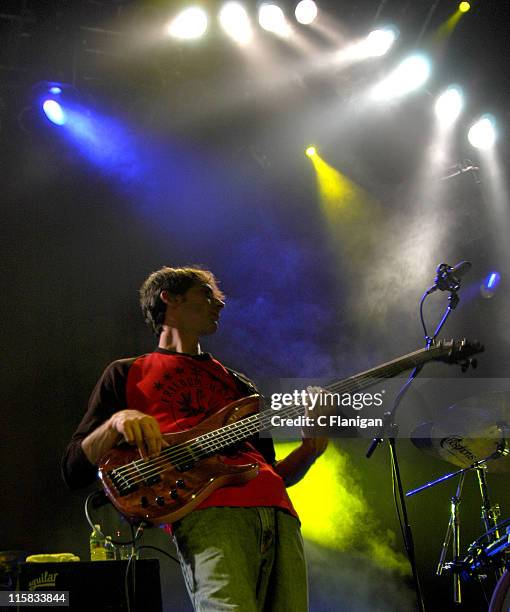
x=214 y=441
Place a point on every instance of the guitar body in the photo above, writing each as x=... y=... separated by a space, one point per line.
x=159 y=491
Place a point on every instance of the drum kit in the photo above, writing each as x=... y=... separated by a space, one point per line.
x=481 y=444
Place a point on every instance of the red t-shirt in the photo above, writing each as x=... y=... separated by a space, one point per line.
x=180 y=391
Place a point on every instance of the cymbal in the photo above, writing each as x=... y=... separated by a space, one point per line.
x=469 y=431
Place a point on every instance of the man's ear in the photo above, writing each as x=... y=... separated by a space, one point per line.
x=168 y=299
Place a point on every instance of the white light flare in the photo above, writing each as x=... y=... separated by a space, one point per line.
x=235 y=21
x=378 y=42
x=412 y=73
x=272 y=19
x=189 y=24
x=482 y=134
x=449 y=105
x=306 y=12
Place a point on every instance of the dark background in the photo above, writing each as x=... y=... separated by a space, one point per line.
x=202 y=162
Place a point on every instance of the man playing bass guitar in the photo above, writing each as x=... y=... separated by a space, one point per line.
x=240 y=548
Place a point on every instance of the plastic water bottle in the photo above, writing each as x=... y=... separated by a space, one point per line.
x=124 y=550
x=97 y=545
x=109 y=549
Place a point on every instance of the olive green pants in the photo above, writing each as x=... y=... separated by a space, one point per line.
x=243 y=559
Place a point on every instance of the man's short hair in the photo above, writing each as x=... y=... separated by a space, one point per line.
x=176 y=281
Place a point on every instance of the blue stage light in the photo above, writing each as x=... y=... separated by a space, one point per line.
x=490 y=285
x=55 y=90
x=492 y=280
x=54 y=112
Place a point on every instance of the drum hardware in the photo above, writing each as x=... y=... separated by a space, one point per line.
x=453 y=529
x=495 y=545
x=500 y=601
x=489 y=551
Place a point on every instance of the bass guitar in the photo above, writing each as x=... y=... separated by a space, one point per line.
x=165 y=488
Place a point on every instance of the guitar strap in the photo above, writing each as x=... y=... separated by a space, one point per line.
x=264 y=445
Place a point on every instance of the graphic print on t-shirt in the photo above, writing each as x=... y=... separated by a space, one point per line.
x=179 y=390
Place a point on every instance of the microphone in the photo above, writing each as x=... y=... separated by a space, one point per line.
x=459 y=270
x=448 y=278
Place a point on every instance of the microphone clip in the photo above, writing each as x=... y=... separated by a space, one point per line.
x=448 y=278
x=445 y=279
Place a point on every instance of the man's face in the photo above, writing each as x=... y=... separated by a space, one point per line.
x=197 y=311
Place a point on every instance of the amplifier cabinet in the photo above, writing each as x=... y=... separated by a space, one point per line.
x=97 y=586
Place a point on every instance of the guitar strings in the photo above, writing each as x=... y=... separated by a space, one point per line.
x=227 y=435
x=232 y=433
x=220 y=438
x=224 y=436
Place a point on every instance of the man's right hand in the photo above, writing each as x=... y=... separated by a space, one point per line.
x=139 y=429
x=133 y=426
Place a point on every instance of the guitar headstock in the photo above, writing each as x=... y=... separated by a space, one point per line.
x=458 y=351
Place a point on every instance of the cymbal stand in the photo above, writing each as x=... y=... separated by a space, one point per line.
x=453 y=528
x=490 y=514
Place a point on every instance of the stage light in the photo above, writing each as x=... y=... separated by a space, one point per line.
x=310 y=151
x=54 y=112
x=411 y=74
x=306 y=12
x=236 y=23
x=272 y=19
x=482 y=134
x=464 y=7
x=189 y=24
x=379 y=42
x=449 y=105
x=55 y=90
x=489 y=286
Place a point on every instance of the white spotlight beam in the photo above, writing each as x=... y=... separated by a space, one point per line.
x=235 y=21
x=306 y=12
x=449 y=105
x=272 y=19
x=482 y=134
x=189 y=24
x=410 y=74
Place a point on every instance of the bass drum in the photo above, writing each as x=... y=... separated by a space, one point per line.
x=500 y=601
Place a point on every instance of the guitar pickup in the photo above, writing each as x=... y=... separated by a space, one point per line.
x=152 y=480
x=187 y=461
x=124 y=485
x=185 y=466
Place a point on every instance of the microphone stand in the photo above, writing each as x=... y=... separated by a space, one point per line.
x=444 y=280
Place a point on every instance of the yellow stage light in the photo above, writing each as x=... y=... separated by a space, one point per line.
x=311 y=151
x=464 y=7
x=334 y=512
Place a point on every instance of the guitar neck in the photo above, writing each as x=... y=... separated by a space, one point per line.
x=225 y=436
x=387 y=370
